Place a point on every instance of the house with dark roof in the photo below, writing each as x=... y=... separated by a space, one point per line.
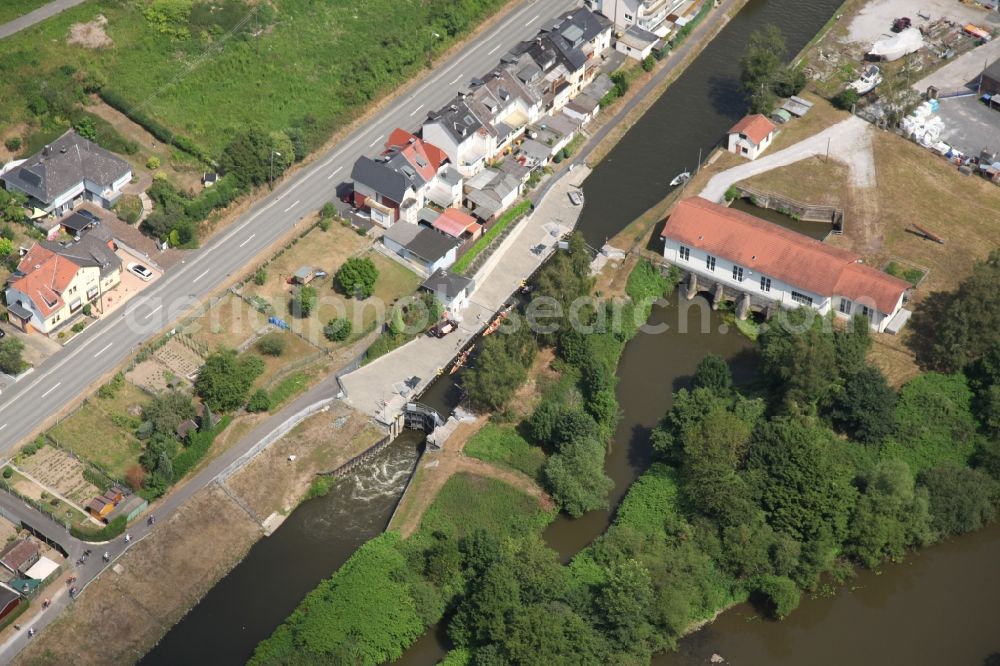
x=637 y=43
x=9 y=600
x=19 y=556
x=394 y=185
x=426 y=249
x=69 y=170
x=722 y=248
x=989 y=80
x=464 y=131
x=53 y=280
x=451 y=290
x=490 y=192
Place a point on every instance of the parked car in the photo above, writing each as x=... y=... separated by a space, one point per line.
x=442 y=328
x=90 y=216
x=141 y=272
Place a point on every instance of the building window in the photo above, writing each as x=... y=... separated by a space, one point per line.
x=629 y=17
x=765 y=283
x=710 y=263
x=868 y=312
x=685 y=253
x=845 y=306
x=738 y=273
x=802 y=298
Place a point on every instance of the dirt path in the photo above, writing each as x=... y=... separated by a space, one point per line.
x=437 y=467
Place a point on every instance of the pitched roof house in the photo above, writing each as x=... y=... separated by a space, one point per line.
x=68 y=170
x=19 y=556
x=452 y=290
x=729 y=247
x=54 y=281
x=751 y=136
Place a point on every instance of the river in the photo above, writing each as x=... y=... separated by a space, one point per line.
x=250 y=602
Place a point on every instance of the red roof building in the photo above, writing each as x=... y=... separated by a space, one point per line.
x=751 y=136
x=741 y=251
x=457 y=224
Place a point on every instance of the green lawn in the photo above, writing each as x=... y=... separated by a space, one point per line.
x=468 y=501
x=202 y=73
x=503 y=445
x=11 y=9
x=91 y=433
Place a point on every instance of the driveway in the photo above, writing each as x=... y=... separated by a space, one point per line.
x=130 y=285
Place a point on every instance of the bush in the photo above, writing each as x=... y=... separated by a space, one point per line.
x=78 y=326
x=11 y=359
x=846 y=99
x=324 y=224
x=7 y=472
x=303 y=302
x=732 y=193
x=272 y=344
x=110 y=531
x=328 y=212
x=110 y=390
x=129 y=208
x=338 y=329
x=260 y=401
x=13 y=144
x=88 y=309
x=648 y=63
x=153 y=163
x=260 y=277
x=777 y=596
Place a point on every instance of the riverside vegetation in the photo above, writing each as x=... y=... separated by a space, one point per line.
x=757 y=492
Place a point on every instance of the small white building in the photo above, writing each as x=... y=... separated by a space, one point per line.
x=637 y=43
x=751 y=136
x=717 y=245
x=451 y=290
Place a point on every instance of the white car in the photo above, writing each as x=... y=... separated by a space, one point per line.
x=141 y=272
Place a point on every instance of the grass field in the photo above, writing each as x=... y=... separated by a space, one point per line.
x=203 y=73
x=503 y=446
x=469 y=500
x=228 y=323
x=12 y=9
x=813 y=180
x=91 y=434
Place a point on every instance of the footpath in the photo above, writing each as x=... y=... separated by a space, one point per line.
x=36 y=16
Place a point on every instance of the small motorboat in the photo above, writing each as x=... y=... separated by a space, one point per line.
x=680 y=179
x=576 y=197
x=868 y=81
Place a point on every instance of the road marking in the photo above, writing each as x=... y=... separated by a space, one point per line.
x=293 y=205
x=456 y=79
x=372 y=144
x=3 y=426
x=106 y=348
x=495 y=49
x=414 y=112
x=151 y=313
x=58 y=384
x=203 y=274
x=335 y=172
x=249 y=238
x=534 y=18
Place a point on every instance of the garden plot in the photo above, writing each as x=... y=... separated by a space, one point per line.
x=150 y=375
x=58 y=470
x=179 y=358
x=228 y=323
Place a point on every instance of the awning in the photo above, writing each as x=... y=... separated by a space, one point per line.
x=37 y=213
x=42 y=569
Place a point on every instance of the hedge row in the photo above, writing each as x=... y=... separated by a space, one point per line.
x=198 y=445
x=106 y=533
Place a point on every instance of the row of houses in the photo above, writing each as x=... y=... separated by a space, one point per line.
x=658 y=17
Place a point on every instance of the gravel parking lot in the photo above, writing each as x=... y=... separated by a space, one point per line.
x=969 y=125
x=874 y=21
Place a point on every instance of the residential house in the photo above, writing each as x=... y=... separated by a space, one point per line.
x=650 y=15
x=583 y=108
x=100 y=508
x=490 y=192
x=751 y=136
x=394 y=185
x=637 y=43
x=69 y=170
x=9 y=600
x=19 y=556
x=54 y=280
x=463 y=131
x=720 y=246
x=427 y=249
x=452 y=290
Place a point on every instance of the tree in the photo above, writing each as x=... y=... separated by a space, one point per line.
x=891 y=516
x=846 y=99
x=338 y=329
x=272 y=344
x=11 y=359
x=303 y=301
x=865 y=410
x=962 y=499
x=6 y=247
x=225 y=379
x=777 y=595
x=12 y=206
x=761 y=66
x=799 y=358
x=624 y=603
x=254 y=156
x=166 y=411
x=85 y=127
x=500 y=369
x=713 y=373
x=260 y=276
x=960 y=327
x=357 y=277
x=575 y=477
x=714 y=449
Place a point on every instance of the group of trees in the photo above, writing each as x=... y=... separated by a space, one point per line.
x=763 y=72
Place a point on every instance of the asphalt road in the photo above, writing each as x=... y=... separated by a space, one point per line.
x=36 y=16
x=105 y=344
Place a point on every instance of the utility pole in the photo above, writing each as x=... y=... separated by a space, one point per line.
x=271 y=181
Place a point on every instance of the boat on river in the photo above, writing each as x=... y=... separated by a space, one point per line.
x=680 y=179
